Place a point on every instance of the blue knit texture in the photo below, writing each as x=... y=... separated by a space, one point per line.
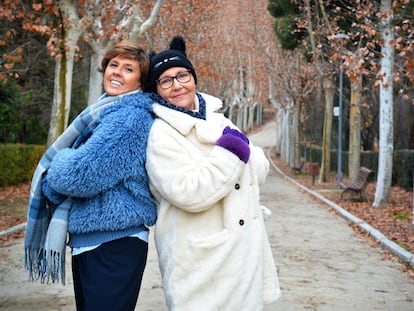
x=106 y=176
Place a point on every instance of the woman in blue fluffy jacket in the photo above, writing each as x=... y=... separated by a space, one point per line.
x=99 y=178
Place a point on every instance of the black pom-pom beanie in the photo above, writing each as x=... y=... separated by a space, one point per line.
x=174 y=57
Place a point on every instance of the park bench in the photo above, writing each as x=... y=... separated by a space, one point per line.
x=359 y=184
x=298 y=169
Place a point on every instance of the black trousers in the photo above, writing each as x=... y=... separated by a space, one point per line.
x=109 y=277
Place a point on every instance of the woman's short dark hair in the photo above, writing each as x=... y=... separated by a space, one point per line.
x=129 y=50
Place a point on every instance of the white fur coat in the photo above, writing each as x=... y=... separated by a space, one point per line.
x=213 y=249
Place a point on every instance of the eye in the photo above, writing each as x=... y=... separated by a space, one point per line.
x=166 y=81
x=129 y=69
x=182 y=75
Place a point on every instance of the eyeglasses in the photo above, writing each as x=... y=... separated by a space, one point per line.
x=167 y=82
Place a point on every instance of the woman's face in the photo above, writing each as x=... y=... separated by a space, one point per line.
x=122 y=75
x=181 y=94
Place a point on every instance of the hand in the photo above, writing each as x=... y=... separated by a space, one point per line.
x=228 y=130
x=235 y=142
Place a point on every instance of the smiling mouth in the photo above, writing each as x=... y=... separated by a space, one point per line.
x=179 y=95
x=116 y=83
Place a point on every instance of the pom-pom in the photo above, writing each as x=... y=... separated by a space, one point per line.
x=178 y=43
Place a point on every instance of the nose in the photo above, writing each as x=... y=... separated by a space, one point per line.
x=176 y=84
x=116 y=71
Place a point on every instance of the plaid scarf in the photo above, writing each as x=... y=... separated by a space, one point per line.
x=46 y=230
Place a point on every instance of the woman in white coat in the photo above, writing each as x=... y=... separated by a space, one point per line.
x=210 y=236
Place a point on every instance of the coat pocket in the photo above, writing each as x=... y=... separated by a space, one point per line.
x=209 y=241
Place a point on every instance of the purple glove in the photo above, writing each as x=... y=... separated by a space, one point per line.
x=228 y=130
x=236 y=142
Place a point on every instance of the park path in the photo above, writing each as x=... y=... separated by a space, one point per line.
x=322 y=263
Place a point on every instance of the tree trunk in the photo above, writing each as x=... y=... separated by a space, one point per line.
x=297 y=133
x=239 y=120
x=245 y=117
x=259 y=114
x=95 y=78
x=327 y=130
x=386 y=142
x=57 y=118
x=279 y=131
x=355 y=128
x=64 y=71
x=278 y=120
x=291 y=123
x=286 y=136
x=251 y=117
x=230 y=112
x=63 y=88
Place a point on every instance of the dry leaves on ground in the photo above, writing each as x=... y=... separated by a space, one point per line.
x=13 y=209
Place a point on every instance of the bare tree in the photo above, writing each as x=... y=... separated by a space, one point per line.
x=100 y=26
x=111 y=25
x=65 y=48
x=386 y=135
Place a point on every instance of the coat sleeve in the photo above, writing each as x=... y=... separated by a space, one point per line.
x=260 y=163
x=113 y=153
x=189 y=177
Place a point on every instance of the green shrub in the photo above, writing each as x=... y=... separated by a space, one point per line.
x=403 y=169
x=18 y=162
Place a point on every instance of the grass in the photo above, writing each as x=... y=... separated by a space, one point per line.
x=404 y=215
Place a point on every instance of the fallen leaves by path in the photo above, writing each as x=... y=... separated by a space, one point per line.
x=13 y=209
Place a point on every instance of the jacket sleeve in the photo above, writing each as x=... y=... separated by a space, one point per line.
x=113 y=153
x=260 y=163
x=189 y=177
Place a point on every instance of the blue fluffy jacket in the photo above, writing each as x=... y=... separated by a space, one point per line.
x=106 y=176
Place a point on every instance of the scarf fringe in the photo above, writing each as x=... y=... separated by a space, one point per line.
x=46 y=266
x=55 y=266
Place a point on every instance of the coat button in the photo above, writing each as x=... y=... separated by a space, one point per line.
x=237 y=186
x=241 y=222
